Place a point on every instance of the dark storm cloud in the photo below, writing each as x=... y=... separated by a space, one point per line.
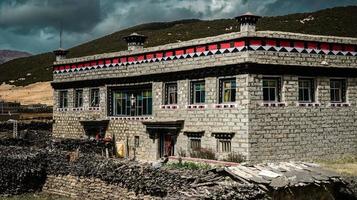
x=33 y=25
x=29 y=16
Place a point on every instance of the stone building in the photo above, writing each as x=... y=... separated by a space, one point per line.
x=267 y=95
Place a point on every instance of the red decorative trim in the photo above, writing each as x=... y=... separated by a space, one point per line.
x=255 y=44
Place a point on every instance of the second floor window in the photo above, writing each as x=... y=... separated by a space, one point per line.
x=338 y=90
x=271 y=89
x=63 y=99
x=198 y=92
x=170 y=93
x=227 y=90
x=306 y=90
x=78 y=98
x=94 y=97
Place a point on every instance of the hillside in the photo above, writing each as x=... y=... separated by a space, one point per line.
x=7 y=55
x=341 y=21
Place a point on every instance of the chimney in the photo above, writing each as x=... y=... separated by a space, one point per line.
x=135 y=41
x=247 y=22
x=60 y=54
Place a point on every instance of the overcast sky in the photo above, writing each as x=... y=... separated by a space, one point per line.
x=33 y=25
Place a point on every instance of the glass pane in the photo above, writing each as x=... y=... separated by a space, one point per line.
x=272 y=94
x=265 y=94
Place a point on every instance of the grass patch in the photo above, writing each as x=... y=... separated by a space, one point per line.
x=188 y=165
x=346 y=165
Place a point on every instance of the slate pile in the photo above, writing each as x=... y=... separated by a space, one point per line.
x=82 y=145
x=8 y=126
x=22 y=170
x=145 y=179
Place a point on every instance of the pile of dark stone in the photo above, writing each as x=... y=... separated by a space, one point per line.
x=147 y=180
x=82 y=145
x=22 y=170
x=44 y=126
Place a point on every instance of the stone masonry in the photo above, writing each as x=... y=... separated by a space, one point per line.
x=283 y=130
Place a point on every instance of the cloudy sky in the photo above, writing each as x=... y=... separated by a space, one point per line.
x=33 y=25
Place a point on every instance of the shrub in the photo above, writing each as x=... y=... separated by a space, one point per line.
x=235 y=157
x=203 y=153
x=188 y=165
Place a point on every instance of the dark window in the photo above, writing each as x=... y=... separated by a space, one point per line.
x=271 y=89
x=170 y=93
x=306 y=90
x=132 y=103
x=195 y=143
x=227 y=90
x=63 y=99
x=197 y=92
x=78 y=98
x=224 y=145
x=94 y=98
x=136 y=141
x=338 y=90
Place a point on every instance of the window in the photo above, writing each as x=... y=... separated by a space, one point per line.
x=227 y=91
x=271 y=89
x=136 y=141
x=94 y=98
x=78 y=98
x=197 y=92
x=195 y=143
x=338 y=90
x=224 y=141
x=306 y=90
x=170 y=93
x=132 y=102
x=63 y=99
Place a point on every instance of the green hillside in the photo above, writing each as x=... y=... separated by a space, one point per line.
x=341 y=21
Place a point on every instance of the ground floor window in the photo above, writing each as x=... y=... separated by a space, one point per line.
x=132 y=102
x=224 y=142
x=224 y=145
x=195 y=143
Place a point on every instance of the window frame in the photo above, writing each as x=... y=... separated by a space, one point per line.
x=311 y=89
x=223 y=148
x=75 y=100
x=130 y=110
x=196 y=139
x=91 y=105
x=278 y=88
x=221 y=90
x=193 y=99
x=62 y=103
x=342 y=90
x=167 y=99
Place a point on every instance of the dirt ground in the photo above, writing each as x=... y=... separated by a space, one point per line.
x=40 y=92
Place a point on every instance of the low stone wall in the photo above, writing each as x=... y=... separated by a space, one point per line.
x=85 y=188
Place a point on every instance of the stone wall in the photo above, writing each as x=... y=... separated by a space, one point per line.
x=292 y=132
x=209 y=119
x=85 y=188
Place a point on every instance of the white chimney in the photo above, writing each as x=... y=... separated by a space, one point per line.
x=248 y=22
x=60 y=54
x=135 y=41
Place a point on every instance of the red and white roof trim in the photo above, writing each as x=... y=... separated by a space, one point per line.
x=247 y=44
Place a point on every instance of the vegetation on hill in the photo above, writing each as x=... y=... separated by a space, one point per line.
x=341 y=21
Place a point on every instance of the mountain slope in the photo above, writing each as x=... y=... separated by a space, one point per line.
x=7 y=55
x=341 y=21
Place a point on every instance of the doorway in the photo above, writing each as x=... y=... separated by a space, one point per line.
x=166 y=145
